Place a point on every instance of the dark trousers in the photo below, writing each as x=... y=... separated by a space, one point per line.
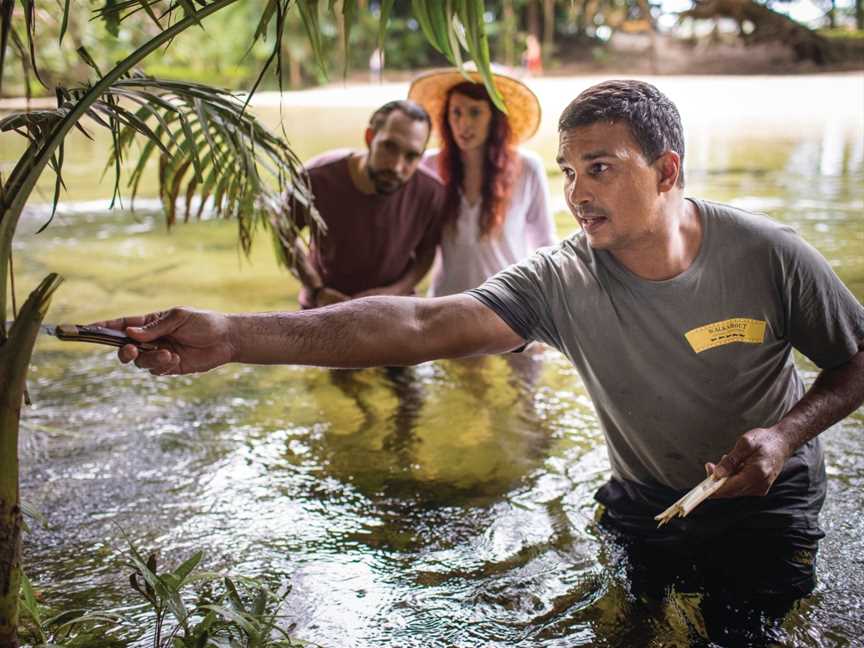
x=749 y=558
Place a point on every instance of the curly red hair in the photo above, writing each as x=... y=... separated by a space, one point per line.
x=499 y=163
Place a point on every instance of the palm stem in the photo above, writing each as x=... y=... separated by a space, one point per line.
x=31 y=165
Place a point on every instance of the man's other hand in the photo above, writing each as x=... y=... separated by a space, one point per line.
x=327 y=296
x=189 y=341
x=753 y=463
x=385 y=291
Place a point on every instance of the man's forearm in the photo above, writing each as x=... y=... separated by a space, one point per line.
x=759 y=455
x=835 y=394
x=374 y=331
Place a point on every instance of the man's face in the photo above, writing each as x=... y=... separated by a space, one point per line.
x=610 y=187
x=395 y=151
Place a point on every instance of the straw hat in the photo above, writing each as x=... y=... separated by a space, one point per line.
x=523 y=107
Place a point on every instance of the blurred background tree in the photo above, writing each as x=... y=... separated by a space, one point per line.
x=571 y=32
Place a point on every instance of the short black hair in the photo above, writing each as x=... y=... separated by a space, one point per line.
x=653 y=119
x=410 y=109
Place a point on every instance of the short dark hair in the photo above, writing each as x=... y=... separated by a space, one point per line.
x=652 y=117
x=413 y=111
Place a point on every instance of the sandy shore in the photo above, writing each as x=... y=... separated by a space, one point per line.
x=768 y=102
x=777 y=103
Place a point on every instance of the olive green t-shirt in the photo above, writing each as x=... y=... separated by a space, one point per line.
x=679 y=369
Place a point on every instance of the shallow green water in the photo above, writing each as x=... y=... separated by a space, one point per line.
x=446 y=505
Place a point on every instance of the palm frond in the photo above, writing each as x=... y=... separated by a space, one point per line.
x=451 y=26
x=7 y=11
x=206 y=145
x=7 y=7
x=383 y=21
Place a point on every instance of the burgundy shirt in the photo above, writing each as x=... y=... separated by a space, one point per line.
x=371 y=239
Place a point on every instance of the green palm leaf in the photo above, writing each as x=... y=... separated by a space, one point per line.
x=205 y=142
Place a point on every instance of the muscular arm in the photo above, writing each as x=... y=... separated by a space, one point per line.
x=362 y=333
x=835 y=394
x=759 y=454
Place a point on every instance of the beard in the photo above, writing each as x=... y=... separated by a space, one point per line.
x=385 y=182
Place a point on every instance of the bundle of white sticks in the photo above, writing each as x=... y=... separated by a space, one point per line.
x=702 y=491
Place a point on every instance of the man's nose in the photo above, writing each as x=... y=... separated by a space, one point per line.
x=578 y=193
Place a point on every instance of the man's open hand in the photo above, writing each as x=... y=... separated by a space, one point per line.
x=188 y=341
x=753 y=463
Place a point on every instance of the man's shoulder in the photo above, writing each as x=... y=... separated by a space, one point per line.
x=570 y=258
x=425 y=185
x=739 y=218
x=327 y=160
x=427 y=177
x=746 y=227
x=753 y=236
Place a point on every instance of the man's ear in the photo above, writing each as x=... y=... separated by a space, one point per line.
x=369 y=136
x=668 y=167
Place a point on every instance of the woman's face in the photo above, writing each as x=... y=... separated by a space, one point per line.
x=469 y=120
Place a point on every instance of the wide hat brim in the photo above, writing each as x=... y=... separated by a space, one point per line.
x=523 y=108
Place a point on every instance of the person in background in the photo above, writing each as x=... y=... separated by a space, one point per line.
x=497 y=196
x=532 y=57
x=382 y=213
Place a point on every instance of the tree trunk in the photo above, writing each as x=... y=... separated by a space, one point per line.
x=533 y=20
x=508 y=20
x=15 y=354
x=859 y=14
x=548 y=28
x=645 y=8
x=768 y=26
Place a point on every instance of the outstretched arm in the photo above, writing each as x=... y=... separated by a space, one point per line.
x=368 y=332
x=758 y=456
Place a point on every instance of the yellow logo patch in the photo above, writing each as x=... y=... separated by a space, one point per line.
x=739 y=329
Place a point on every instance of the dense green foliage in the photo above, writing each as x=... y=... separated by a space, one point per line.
x=223 y=53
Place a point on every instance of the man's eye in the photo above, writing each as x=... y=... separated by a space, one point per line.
x=597 y=168
x=568 y=173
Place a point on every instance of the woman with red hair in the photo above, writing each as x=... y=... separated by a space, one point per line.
x=497 y=204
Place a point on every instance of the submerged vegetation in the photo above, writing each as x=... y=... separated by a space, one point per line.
x=185 y=608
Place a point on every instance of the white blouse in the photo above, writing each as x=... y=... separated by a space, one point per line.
x=465 y=260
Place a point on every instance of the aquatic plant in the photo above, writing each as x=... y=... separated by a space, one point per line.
x=192 y=157
x=186 y=608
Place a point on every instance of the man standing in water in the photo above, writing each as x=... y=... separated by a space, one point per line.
x=681 y=316
x=382 y=212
